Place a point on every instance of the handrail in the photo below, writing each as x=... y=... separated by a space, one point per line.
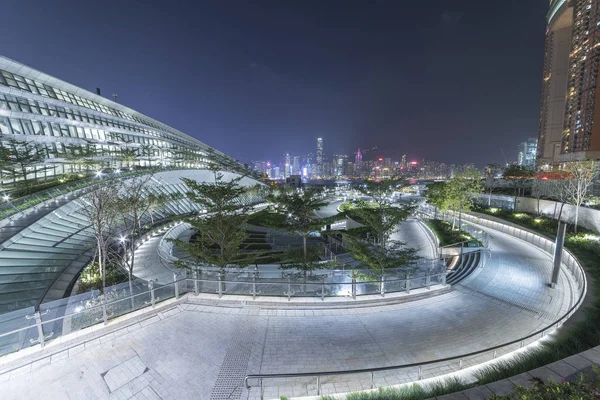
x=554 y=325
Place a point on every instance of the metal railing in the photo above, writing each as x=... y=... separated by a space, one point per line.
x=455 y=363
x=23 y=328
x=460 y=361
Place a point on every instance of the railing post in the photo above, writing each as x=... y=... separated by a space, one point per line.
x=460 y=363
x=262 y=389
x=40 y=329
x=495 y=353
x=428 y=279
x=382 y=285
x=176 y=286
x=220 y=289
x=318 y=385
x=353 y=286
x=196 y=287
x=420 y=373
x=151 y=288
x=444 y=276
x=104 y=315
x=372 y=380
x=289 y=292
x=408 y=283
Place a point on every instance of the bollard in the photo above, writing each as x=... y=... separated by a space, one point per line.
x=460 y=364
x=420 y=373
x=262 y=389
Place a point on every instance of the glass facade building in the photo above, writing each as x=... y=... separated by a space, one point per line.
x=69 y=129
x=64 y=129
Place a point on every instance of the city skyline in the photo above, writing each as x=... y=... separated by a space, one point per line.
x=252 y=93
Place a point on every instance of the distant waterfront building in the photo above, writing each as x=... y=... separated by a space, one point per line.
x=296 y=165
x=569 y=122
x=527 y=153
x=287 y=165
x=319 y=171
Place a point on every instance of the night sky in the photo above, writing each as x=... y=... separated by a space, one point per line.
x=454 y=81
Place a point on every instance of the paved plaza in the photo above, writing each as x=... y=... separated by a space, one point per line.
x=197 y=351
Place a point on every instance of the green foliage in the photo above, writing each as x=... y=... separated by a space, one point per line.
x=91 y=279
x=266 y=218
x=412 y=392
x=583 y=388
x=221 y=232
x=444 y=232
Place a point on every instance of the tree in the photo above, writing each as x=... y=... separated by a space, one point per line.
x=134 y=203
x=299 y=212
x=382 y=220
x=490 y=180
x=436 y=196
x=517 y=177
x=101 y=207
x=539 y=189
x=379 y=258
x=576 y=187
x=221 y=232
x=128 y=156
x=459 y=192
x=18 y=157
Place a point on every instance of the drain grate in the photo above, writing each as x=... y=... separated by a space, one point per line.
x=230 y=379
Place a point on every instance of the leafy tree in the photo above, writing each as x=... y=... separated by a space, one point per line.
x=436 y=196
x=18 y=157
x=457 y=194
x=221 y=232
x=299 y=212
x=128 y=156
x=305 y=261
x=379 y=258
x=517 y=177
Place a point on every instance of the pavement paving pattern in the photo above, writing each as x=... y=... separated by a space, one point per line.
x=184 y=355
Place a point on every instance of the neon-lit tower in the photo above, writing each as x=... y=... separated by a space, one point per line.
x=319 y=157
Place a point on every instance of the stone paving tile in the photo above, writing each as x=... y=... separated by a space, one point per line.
x=184 y=352
x=501 y=388
x=478 y=393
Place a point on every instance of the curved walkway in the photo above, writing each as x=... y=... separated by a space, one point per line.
x=203 y=352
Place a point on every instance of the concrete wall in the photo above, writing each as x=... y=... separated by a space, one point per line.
x=588 y=217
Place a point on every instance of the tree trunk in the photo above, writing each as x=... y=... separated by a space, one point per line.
x=576 y=218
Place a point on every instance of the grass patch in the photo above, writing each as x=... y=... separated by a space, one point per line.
x=413 y=392
x=266 y=218
x=447 y=236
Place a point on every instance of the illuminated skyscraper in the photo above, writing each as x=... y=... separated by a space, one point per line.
x=319 y=157
x=569 y=120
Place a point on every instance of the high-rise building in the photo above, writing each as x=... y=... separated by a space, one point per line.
x=569 y=121
x=287 y=165
x=319 y=171
x=527 y=153
x=296 y=165
x=403 y=164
